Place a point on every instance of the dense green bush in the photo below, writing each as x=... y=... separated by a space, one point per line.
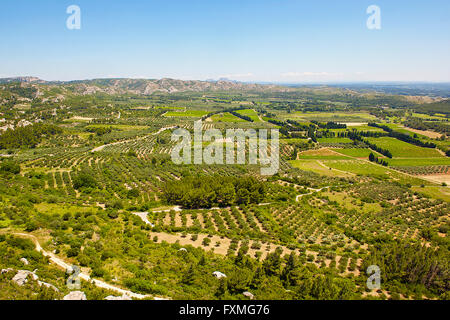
x=10 y=166
x=84 y=180
x=210 y=191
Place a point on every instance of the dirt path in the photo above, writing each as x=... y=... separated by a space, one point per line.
x=312 y=191
x=163 y=129
x=62 y=264
x=436 y=178
x=176 y=209
x=428 y=133
x=329 y=168
x=259 y=116
x=143 y=216
x=400 y=172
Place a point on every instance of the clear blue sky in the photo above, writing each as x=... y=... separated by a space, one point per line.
x=247 y=40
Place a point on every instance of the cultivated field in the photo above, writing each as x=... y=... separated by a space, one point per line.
x=96 y=186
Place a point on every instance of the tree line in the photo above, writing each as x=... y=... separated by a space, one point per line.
x=375 y=159
x=411 y=265
x=330 y=125
x=213 y=191
x=404 y=137
x=419 y=124
x=29 y=136
x=99 y=131
x=244 y=117
x=355 y=136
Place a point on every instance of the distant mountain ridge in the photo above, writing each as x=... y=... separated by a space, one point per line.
x=26 y=79
x=145 y=86
x=168 y=85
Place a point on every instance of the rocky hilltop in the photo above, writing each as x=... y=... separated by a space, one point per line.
x=21 y=80
x=144 y=86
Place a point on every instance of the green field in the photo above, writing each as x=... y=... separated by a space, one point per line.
x=249 y=113
x=361 y=127
x=341 y=167
x=356 y=117
x=369 y=169
x=334 y=140
x=437 y=192
x=226 y=117
x=355 y=152
x=401 y=129
x=428 y=117
x=324 y=157
x=316 y=167
x=187 y=113
x=400 y=149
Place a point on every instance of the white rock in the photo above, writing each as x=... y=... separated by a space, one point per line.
x=124 y=297
x=8 y=126
x=22 y=277
x=219 y=274
x=75 y=295
x=24 y=261
x=24 y=123
x=6 y=270
x=249 y=295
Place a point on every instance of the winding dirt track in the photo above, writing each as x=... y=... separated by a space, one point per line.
x=297 y=198
x=101 y=284
x=143 y=215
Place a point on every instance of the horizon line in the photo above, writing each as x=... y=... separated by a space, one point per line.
x=262 y=82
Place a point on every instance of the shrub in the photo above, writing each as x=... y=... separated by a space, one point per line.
x=84 y=180
x=113 y=214
x=133 y=193
x=206 y=242
x=10 y=166
x=73 y=252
